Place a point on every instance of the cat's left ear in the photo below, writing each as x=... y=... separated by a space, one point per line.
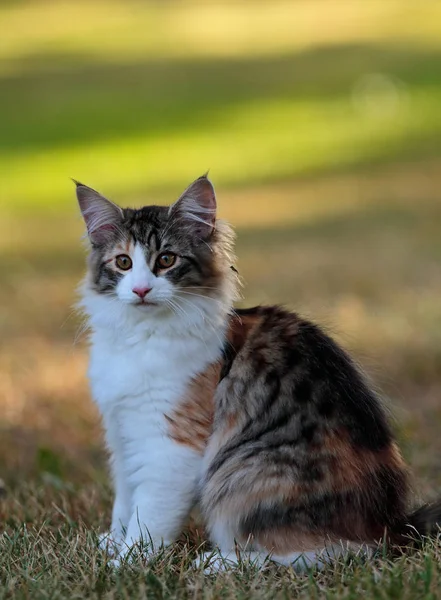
x=197 y=206
x=102 y=217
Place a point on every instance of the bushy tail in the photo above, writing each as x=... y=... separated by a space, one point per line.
x=423 y=522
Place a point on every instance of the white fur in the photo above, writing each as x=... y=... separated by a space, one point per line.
x=141 y=361
x=213 y=562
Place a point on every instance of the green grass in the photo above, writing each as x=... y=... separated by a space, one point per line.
x=131 y=100
x=321 y=126
x=49 y=550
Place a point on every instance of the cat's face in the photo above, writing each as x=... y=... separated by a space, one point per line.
x=156 y=258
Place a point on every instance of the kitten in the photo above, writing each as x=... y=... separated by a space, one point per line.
x=256 y=415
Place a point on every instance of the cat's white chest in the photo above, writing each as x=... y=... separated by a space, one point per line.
x=136 y=383
x=150 y=372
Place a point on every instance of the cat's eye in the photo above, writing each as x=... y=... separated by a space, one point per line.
x=166 y=260
x=123 y=262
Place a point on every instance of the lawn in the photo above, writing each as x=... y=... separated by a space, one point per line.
x=320 y=123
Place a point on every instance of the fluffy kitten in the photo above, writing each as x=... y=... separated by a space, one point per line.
x=256 y=415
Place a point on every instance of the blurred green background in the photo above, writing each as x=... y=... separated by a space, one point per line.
x=320 y=123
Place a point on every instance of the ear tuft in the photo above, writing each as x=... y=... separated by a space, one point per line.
x=197 y=206
x=102 y=217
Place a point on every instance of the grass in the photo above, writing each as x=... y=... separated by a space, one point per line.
x=136 y=100
x=49 y=551
x=320 y=123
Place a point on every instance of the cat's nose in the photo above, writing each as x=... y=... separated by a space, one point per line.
x=141 y=291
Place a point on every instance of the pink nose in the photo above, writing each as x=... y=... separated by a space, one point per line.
x=141 y=291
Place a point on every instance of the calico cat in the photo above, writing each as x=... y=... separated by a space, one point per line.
x=256 y=415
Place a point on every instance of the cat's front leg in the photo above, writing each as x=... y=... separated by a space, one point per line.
x=163 y=499
x=122 y=503
x=112 y=541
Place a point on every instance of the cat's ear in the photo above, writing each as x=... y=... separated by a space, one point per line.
x=197 y=206
x=102 y=217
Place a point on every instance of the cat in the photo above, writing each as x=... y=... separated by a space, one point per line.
x=255 y=415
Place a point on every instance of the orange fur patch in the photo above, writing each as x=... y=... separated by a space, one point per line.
x=191 y=421
x=349 y=465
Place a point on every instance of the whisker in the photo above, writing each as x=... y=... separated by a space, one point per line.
x=175 y=305
x=201 y=296
x=171 y=306
x=84 y=326
x=208 y=321
x=193 y=305
x=72 y=313
x=200 y=287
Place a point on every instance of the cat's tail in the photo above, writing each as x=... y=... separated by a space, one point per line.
x=422 y=523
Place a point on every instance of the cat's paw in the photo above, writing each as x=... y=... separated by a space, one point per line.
x=115 y=563
x=139 y=553
x=124 y=556
x=108 y=544
x=217 y=562
x=213 y=562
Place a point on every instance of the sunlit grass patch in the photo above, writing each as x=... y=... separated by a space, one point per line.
x=261 y=140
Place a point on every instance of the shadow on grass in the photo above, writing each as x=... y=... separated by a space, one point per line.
x=62 y=100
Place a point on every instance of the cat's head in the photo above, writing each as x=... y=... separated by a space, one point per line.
x=159 y=260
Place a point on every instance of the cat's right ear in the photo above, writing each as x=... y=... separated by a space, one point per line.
x=197 y=207
x=102 y=217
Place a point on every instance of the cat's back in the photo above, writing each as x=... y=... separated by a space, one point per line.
x=293 y=367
